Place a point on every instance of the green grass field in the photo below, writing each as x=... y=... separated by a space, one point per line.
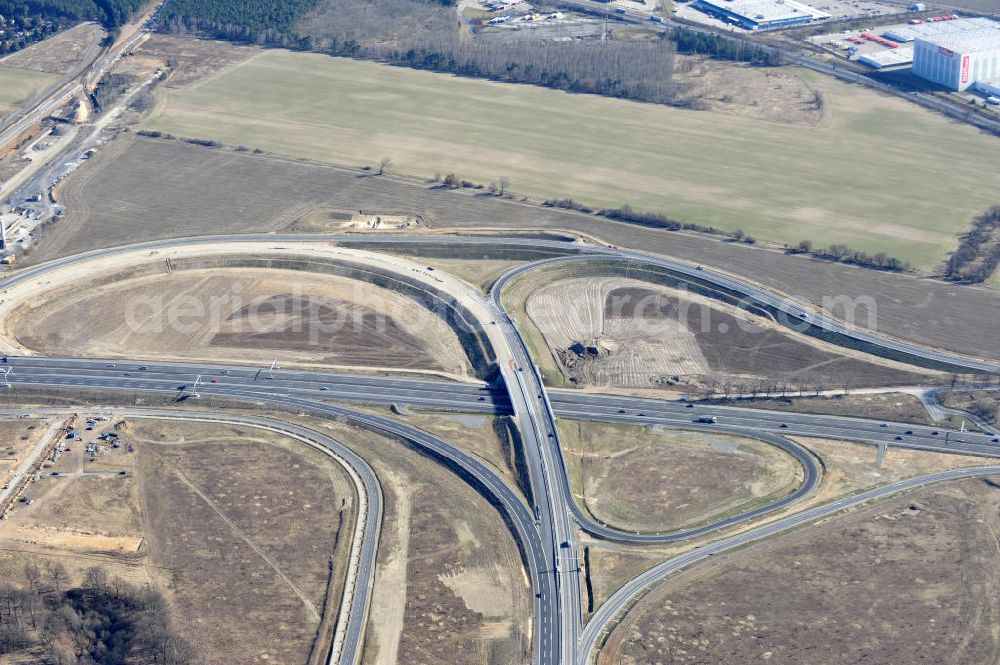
x=19 y=85
x=877 y=173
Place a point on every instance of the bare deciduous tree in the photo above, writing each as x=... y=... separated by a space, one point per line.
x=96 y=578
x=32 y=574
x=58 y=573
x=383 y=164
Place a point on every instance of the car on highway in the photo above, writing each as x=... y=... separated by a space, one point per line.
x=326 y=388
x=143 y=368
x=111 y=365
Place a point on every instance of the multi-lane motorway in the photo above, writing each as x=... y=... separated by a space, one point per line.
x=279 y=386
x=796 y=315
x=432 y=394
x=546 y=529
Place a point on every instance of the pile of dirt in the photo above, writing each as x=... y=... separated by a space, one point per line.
x=583 y=351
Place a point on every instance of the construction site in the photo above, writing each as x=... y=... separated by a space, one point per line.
x=330 y=338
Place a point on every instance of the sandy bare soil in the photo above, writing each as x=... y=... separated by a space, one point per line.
x=878 y=586
x=345 y=221
x=775 y=94
x=17 y=438
x=450 y=586
x=626 y=333
x=654 y=478
x=244 y=315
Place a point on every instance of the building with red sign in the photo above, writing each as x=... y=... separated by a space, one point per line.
x=959 y=59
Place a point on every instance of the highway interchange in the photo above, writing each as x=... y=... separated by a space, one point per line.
x=545 y=529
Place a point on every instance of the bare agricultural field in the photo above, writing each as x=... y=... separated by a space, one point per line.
x=784 y=182
x=63 y=53
x=659 y=479
x=246 y=315
x=18 y=86
x=626 y=333
x=193 y=59
x=148 y=189
x=879 y=585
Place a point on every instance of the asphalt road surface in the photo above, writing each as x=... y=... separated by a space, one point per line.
x=622 y=599
x=796 y=316
x=548 y=535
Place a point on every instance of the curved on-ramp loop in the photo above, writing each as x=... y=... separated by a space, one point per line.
x=627 y=595
x=468 y=467
x=810 y=466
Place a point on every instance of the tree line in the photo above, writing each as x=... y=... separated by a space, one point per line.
x=978 y=254
x=105 y=621
x=109 y=13
x=641 y=71
x=725 y=48
x=255 y=21
x=844 y=254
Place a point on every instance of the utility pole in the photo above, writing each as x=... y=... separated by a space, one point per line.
x=270 y=370
x=194 y=387
x=6 y=372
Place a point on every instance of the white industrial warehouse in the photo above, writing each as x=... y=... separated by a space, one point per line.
x=959 y=59
x=761 y=14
